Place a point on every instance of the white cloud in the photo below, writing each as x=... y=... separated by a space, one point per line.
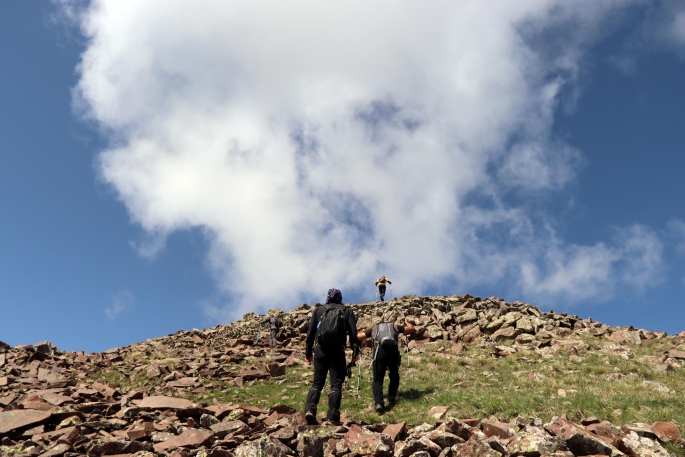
x=573 y=273
x=121 y=301
x=320 y=143
x=677 y=231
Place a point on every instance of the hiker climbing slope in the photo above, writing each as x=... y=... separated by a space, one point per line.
x=329 y=328
x=275 y=325
x=381 y=286
x=386 y=357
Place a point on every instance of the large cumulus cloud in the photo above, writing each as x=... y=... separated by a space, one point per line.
x=324 y=143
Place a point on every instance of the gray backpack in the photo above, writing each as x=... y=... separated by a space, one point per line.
x=385 y=335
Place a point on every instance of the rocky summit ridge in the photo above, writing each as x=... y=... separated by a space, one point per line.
x=157 y=398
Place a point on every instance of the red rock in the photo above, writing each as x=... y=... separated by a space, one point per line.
x=57 y=450
x=470 y=422
x=19 y=418
x=606 y=431
x=666 y=431
x=578 y=440
x=38 y=405
x=183 y=382
x=499 y=429
x=366 y=442
x=163 y=402
x=276 y=369
x=189 y=438
x=45 y=375
x=5 y=401
x=56 y=399
x=395 y=431
x=3 y=381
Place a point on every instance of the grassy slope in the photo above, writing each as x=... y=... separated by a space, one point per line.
x=524 y=384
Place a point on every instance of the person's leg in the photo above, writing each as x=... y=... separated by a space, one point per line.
x=379 y=367
x=381 y=291
x=337 y=370
x=394 y=369
x=320 y=373
x=272 y=338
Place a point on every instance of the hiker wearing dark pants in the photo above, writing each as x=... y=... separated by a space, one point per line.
x=386 y=358
x=381 y=286
x=329 y=355
x=274 y=324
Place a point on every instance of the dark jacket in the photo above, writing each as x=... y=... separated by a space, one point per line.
x=350 y=327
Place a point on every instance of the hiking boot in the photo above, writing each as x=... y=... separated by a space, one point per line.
x=391 y=402
x=310 y=417
x=331 y=422
x=379 y=409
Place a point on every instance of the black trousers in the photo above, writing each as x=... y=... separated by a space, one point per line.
x=386 y=359
x=273 y=342
x=381 y=291
x=327 y=361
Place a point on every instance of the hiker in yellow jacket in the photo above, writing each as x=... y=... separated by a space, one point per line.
x=381 y=286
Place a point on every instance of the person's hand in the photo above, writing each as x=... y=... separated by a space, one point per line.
x=309 y=358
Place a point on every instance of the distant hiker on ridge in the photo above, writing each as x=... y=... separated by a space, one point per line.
x=272 y=318
x=386 y=356
x=381 y=286
x=329 y=328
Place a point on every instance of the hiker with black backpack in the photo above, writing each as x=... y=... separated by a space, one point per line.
x=381 y=286
x=275 y=325
x=386 y=357
x=329 y=328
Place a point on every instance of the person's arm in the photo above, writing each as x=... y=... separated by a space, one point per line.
x=311 y=333
x=265 y=321
x=408 y=327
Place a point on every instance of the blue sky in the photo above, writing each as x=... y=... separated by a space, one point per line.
x=172 y=181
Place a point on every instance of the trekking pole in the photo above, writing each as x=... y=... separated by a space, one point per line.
x=406 y=342
x=259 y=332
x=359 y=371
x=376 y=293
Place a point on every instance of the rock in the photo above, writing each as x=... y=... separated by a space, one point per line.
x=579 y=441
x=438 y=411
x=189 y=438
x=534 y=441
x=163 y=402
x=231 y=426
x=475 y=447
x=499 y=429
x=395 y=431
x=364 y=442
x=633 y=444
x=18 y=418
x=263 y=447
x=443 y=438
x=605 y=431
x=310 y=441
x=656 y=386
x=666 y=431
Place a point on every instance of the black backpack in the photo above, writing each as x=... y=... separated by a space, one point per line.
x=385 y=335
x=330 y=329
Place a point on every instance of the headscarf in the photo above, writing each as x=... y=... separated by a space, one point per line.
x=334 y=296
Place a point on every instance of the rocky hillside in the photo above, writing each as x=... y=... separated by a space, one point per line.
x=223 y=392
